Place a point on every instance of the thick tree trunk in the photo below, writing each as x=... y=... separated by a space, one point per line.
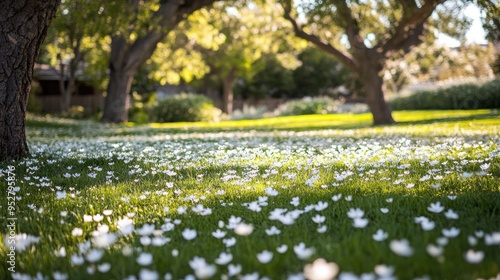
x=117 y=100
x=127 y=56
x=23 y=26
x=379 y=108
x=371 y=75
x=227 y=91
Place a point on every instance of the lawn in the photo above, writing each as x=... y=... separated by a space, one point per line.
x=258 y=199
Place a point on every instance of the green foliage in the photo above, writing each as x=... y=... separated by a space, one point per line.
x=185 y=107
x=318 y=74
x=466 y=96
x=307 y=106
x=138 y=111
x=272 y=80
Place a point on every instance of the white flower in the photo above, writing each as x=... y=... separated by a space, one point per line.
x=302 y=252
x=77 y=260
x=77 y=232
x=250 y=276
x=442 y=241
x=144 y=259
x=181 y=210
x=243 y=229
x=360 y=223
x=384 y=210
x=355 y=213
x=428 y=225
x=97 y=217
x=94 y=255
x=380 y=235
x=401 y=247
x=233 y=269
x=467 y=174
x=265 y=256
x=474 y=256
x=271 y=191
x=146 y=229
x=87 y=218
x=282 y=249
x=224 y=258
x=189 y=234
x=273 y=231
x=450 y=214
x=337 y=197
x=61 y=252
x=229 y=241
x=202 y=270
x=451 y=232
x=321 y=206
x=104 y=267
x=59 y=275
x=219 y=234
x=104 y=240
x=60 y=194
x=322 y=229
x=321 y=270
x=22 y=241
x=146 y=274
x=436 y=207
x=434 y=251
x=472 y=240
x=318 y=219
x=384 y=271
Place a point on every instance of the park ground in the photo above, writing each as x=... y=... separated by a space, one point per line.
x=257 y=199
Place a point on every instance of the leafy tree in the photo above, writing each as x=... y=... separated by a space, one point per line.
x=23 y=27
x=271 y=79
x=138 y=27
x=365 y=35
x=318 y=74
x=232 y=38
x=74 y=46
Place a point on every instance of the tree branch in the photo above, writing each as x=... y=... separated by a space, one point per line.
x=345 y=58
x=410 y=29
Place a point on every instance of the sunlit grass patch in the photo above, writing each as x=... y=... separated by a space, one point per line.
x=417 y=199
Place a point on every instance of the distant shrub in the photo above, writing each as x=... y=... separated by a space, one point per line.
x=249 y=113
x=185 y=107
x=466 y=96
x=307 y=106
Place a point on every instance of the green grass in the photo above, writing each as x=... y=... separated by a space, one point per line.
x=141 y=170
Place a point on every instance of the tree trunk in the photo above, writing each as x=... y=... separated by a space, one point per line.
x=379 y=108
x=67 y=87
x=127 y=56
x=23 y=26
x=227 y=91
x=371 y=76
x=117 y=100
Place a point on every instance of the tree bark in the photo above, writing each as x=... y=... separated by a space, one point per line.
x=227 y=91
x=117 y=100
x=23 y=27
x=371 y=67
x=67 y=86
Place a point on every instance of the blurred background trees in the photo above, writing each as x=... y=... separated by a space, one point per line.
x=245 y=52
